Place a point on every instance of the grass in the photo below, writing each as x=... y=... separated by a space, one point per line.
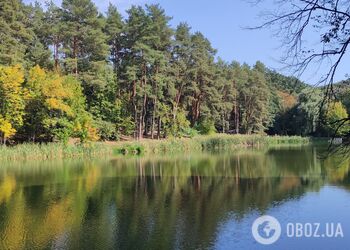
x=53 y=151
x=206 y=143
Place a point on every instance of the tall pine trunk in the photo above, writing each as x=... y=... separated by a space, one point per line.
x=75 y=56
x=154 y=103
x=177 y=101
x=143 y=110
x=56 y=45
x=236 y=113
x=153 y=118
x=159 y=127
x=133 y=96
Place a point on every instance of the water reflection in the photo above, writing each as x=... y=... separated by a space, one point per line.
x=153 y=203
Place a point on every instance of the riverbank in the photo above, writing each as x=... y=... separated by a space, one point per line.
x=205 y=143
x=97 y=149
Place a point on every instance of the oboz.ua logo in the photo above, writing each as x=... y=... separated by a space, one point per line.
x=266 y=230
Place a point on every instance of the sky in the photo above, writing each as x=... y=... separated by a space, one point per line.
x=224 y=23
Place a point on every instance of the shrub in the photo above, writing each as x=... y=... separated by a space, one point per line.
x=106 y=130
x=206 y=127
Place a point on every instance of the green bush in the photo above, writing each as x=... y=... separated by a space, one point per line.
x=126 y=126
x=206 y=127
x=106 y=130
x=190 y=132
x=178 y=126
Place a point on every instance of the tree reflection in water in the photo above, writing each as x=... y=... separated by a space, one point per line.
x=155 y=202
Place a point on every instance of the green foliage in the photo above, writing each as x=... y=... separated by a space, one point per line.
x=126 y=126
x=129 y=149
x=111 y=76
x=336 y=119
x=83 y=39
x=15 y=34
x=254 y=100
x=290 y=85
x=308 y=111
x=179 y=126
x=106 y=130
x=190 y=132
x=206 y=127
x=113 y=30
x=55 y=108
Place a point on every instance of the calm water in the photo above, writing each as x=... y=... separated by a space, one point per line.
x=206 y=201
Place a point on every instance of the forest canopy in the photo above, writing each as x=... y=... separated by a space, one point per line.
x=71 y=71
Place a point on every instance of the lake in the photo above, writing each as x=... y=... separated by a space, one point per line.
x=199 y=201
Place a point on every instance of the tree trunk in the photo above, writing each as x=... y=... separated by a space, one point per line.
x=56 y=53
x=153 y=118
x=143 y=113
x=159 y=127
x=223 y=123
x=75 y=56
x=195 y=110
x=236 y=117
x=133 y=97
x=177 y=101
x=140 y=135
x=154 y=103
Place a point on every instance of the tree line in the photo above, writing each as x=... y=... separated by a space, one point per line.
x=71 y=71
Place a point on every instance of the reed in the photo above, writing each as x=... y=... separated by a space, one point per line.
x=52 y=151
x=206 y=143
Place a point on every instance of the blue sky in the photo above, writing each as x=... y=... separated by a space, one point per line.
x=223 y=22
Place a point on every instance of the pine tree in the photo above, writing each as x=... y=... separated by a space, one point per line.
x=52 y=34
x=15 y=35
x=160 y=44
x=113 y=30
x=38 y=51
x=135 y=77
x=254 y=100
x=180 y=68
x=224 y=82
x=83 y=38
x=202 y=86
x=111 y=76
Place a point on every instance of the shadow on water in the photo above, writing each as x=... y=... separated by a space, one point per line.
x=154 y=202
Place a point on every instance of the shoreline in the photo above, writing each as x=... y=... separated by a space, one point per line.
x=54 y=151
x=206 y=143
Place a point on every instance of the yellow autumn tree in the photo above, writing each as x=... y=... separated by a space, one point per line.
x=6 y=130
x=49 y=112
x=56 y=107
x=12 y=101
x=56 y=95
x=36 y=79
